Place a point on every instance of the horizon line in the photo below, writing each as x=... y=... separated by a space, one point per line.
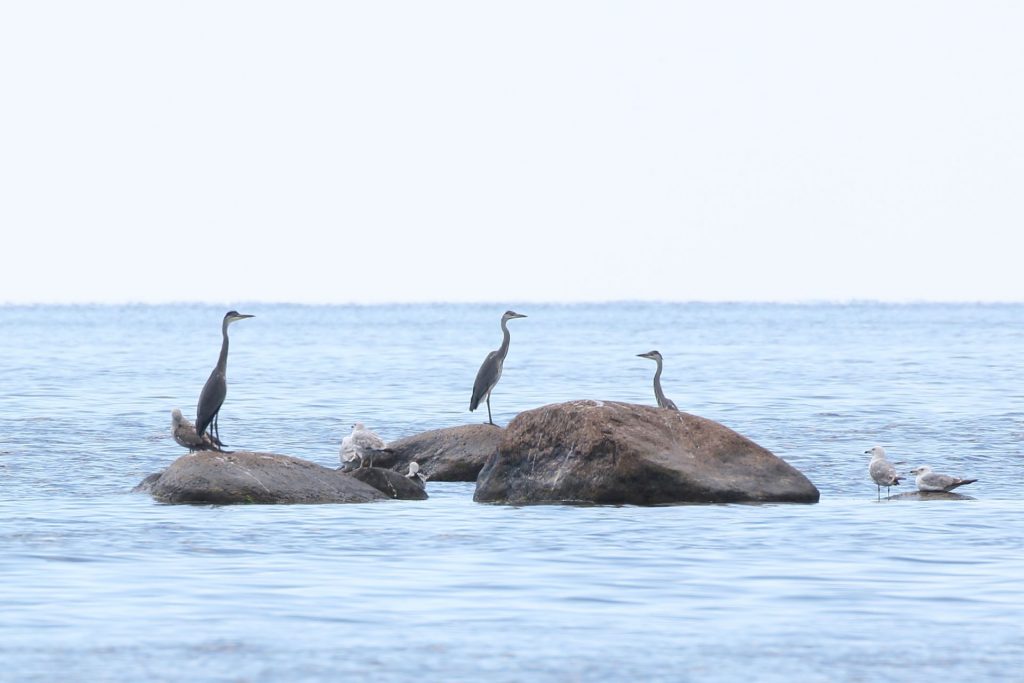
x=666 y=302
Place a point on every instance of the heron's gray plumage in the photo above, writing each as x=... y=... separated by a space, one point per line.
x=490 y=370
x=933 y=481
x=216 y=388
x=659 y=395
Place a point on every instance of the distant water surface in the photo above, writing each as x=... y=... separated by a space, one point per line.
x=100 y=584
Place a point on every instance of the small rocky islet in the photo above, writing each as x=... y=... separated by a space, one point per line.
x=578 y=452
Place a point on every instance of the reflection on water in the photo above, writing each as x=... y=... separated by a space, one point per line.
x=99 y=584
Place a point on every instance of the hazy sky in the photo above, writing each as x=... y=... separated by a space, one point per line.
x=482 y=151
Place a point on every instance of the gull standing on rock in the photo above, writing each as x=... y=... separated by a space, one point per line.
x=490 y=371
x=361 y=443
x=659 y=395
x=184 y=433
x=932 y=481
x=882 y=472
x=216 y=387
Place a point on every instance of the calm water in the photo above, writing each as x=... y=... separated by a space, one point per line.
x=98 y=584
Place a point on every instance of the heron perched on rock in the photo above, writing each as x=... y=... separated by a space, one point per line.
x=216 y=387
x=361 y=444
x=663 y=400
x=882 y=472
x=490 y=370
x=933 y=481
x=184 y=433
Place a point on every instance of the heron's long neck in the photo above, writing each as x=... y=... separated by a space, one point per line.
x=503 y=351
x=658 y=393
x=222 y=362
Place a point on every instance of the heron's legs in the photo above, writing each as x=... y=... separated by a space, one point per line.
x=215 y=430
x=489 y=418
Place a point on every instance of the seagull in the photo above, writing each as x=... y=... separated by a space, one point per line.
x=360 y=444
x=414 y=474
x=882 y=471
x=184 y=433
x=931 y=481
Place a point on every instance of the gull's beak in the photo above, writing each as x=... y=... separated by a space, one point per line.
x=867 y=451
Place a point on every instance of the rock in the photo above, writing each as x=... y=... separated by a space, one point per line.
x=146 y=485
x=390 y=483
x=452 y=454
x=246 y=477
x=620 y=453
x=930 y=495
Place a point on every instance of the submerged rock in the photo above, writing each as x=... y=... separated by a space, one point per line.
x=621 y=453
x=452 y=454
x=247 y=477
x=146 y=485
x=390 y=483
x=930 y=495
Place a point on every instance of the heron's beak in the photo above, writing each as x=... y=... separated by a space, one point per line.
x=520 y=315
x=867 y=451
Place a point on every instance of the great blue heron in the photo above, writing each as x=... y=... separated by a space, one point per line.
x=490 y=371
x=663 y=401
x=932 y=481
x=882 y=472
x=184 y=433
x=216 y=387
x=361 y=444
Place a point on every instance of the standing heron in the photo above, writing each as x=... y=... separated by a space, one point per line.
x=216 y=387
x=882 y=472
x=663 y=400
x=490 y=371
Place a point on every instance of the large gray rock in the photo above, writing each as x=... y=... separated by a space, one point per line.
x=390 y=483
x=620 y=453
x=246 y=477
x=452 y=454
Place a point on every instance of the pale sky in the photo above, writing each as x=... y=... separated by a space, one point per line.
x=371 y=152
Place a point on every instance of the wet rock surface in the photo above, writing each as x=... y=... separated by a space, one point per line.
x=603 y=452
x=249 y=477
x=451 y=454
x=390 y=483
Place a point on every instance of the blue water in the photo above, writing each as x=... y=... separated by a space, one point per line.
x=98 y=584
